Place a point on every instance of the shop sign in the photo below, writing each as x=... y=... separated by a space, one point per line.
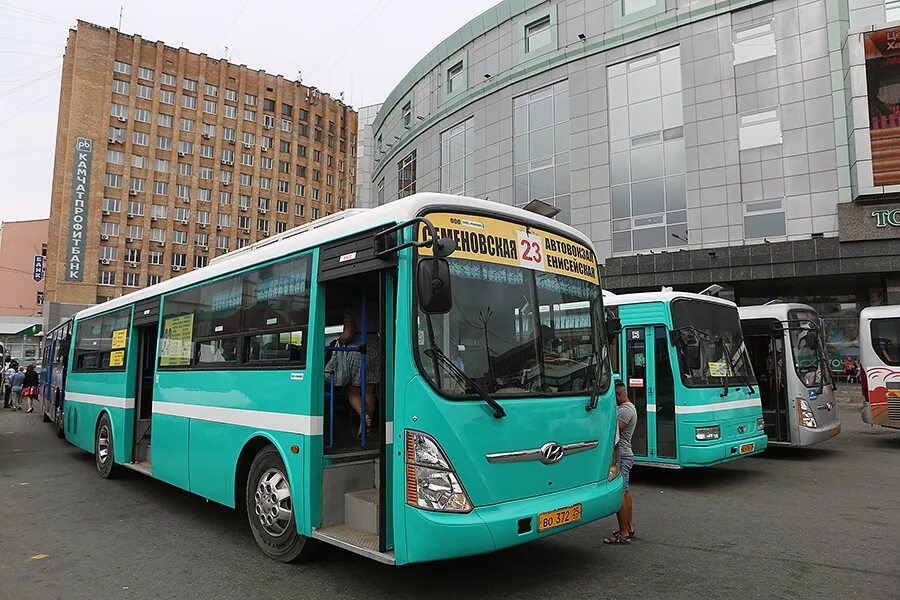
x=858 y=222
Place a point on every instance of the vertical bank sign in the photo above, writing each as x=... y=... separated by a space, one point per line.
x=81 y=189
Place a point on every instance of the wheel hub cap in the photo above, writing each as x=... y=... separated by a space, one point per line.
x=272 y=501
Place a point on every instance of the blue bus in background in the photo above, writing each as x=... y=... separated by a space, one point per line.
x=54 y=366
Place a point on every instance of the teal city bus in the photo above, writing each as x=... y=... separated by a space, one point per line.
x=470 y=334
x=682 y=359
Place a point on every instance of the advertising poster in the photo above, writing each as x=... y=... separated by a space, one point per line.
x=175 y=343
x=883 y=83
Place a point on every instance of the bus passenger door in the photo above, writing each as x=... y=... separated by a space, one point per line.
x=636 y=380
x=662 y=394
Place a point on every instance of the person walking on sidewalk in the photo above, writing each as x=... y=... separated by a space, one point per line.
x=30 y=387
x=626 y=415
x=8 y=372
x=16 y=381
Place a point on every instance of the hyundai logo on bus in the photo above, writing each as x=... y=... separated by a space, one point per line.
x=81 y=189
x=552 y=453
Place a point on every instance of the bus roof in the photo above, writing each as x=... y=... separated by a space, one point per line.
x=667 y=296
x=880 y=312
x=328 y=229
x=778 y=310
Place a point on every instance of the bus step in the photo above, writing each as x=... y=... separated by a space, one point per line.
x=141 y=467
x=354 y=540
x=361 y=510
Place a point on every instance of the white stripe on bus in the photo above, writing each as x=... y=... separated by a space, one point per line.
x=111 y=401
x=717 y=406
x=302 y=424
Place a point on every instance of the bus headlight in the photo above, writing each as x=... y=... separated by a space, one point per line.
x=760 y=424
x=705 y=434
x=805 y=414
x=431 y=482
x=614 y=464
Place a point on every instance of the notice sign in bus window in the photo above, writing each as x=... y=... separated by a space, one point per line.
x=117 y=358
x=492 y=240
x=119 y=338
x=175 y=343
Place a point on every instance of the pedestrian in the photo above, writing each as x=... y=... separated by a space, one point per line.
x=30 y=387
x=7 y=383
x=626 y=415
x=16 y=381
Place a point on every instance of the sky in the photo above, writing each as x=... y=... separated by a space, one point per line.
x=360 y=47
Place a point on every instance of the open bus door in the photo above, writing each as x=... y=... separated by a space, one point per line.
x=764 y=340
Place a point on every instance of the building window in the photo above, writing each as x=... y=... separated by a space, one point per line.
x=167 y=97
x=314 y=213
x=187 y=125
x=299 y=190
x=162 y=165
x=266 y=143
x=314 y=194
x=244 y=222
x=247 y=138
x=407 y=114
x=268 y=120
x=209 y=107
x=118 y=110
x=246 y=159
x=116 y=135
x=135 y=232
x=759 y=129
x=120 y=87
x=200 y=261
x=262 y=226
x=226 y=176
x=285 y=146
x=284 y=186
x=457 y=156
x=120 y=67
x=406 y=175
x=538 y=35
x=161 y=188
x=108 y=253
x=268 y=105
x=131 y=279
x=188 y=102
x=185 y=169
x=379 y=192
x=754 y=43
x=265 y=162
x=287 y=110
x=541 y=147
x=630 y=7
x=141 y=115
x=227 y=156
x=138 y=161
x=169 y=79
x=179 y=237
x=231 y=95
x=164 y=120
x=113 y=180
x=139 y=138
x=109 y=229
x=111 y=205
x=207 y=151
x=135 y=208
x=159 y=211
x=222 y=242
x=158 y=236
x=153 y=279
x=249 y=99
x=204 y=195
x=246 y=179
x=201 y=239
x=206 y=173
x=280 y=226
x=163 y=143
x=298 y=210
x=211 y=90
x=143 y=91
x=106 y=278
x=114 y=157
x=455 y=78
x=764 y=219
x=183 y=191
x=647 y=158
x=225 y=198
x=223 y=220
x=286 y=126
x=265 y=183
x=179 y=260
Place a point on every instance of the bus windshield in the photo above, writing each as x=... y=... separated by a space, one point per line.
x=886 y=340
x=515 y=332
x=717 y=330
x=807 y=346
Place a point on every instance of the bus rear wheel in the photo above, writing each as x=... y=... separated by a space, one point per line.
x=103 y=449
x=60 y=424
x=270 y=508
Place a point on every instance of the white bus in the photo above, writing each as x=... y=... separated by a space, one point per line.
x=879 y=355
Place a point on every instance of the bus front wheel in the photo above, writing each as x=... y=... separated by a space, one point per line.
x=270 y=508
x=103 y=449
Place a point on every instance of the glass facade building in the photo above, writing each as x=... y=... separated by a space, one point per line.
x=753 y=144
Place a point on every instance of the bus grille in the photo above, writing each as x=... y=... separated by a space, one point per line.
x=893 y=409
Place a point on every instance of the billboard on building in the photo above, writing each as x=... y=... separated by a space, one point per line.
x=883 y=82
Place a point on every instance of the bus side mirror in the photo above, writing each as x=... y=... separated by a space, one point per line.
x=613 y=327
x=433 y=286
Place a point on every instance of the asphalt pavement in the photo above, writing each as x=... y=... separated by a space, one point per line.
x=811 y=523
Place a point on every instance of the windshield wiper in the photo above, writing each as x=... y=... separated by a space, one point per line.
x=730 y=364
x=595 y=391
x=436 y=352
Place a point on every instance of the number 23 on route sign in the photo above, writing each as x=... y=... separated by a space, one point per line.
x=531 y=251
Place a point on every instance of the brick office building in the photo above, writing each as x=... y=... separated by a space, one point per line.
x=166 y=158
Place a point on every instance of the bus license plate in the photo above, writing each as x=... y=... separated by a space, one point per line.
x=745 y=448
x=559 y=517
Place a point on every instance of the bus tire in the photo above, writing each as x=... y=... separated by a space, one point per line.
x=103 y=449
x=270 y=508
x=44 y=416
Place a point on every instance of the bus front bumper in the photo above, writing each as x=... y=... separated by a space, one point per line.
x=713 y=454
x=436 y=535
x=814 y=435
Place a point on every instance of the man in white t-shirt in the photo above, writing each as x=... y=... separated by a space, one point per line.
x=626 y=421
